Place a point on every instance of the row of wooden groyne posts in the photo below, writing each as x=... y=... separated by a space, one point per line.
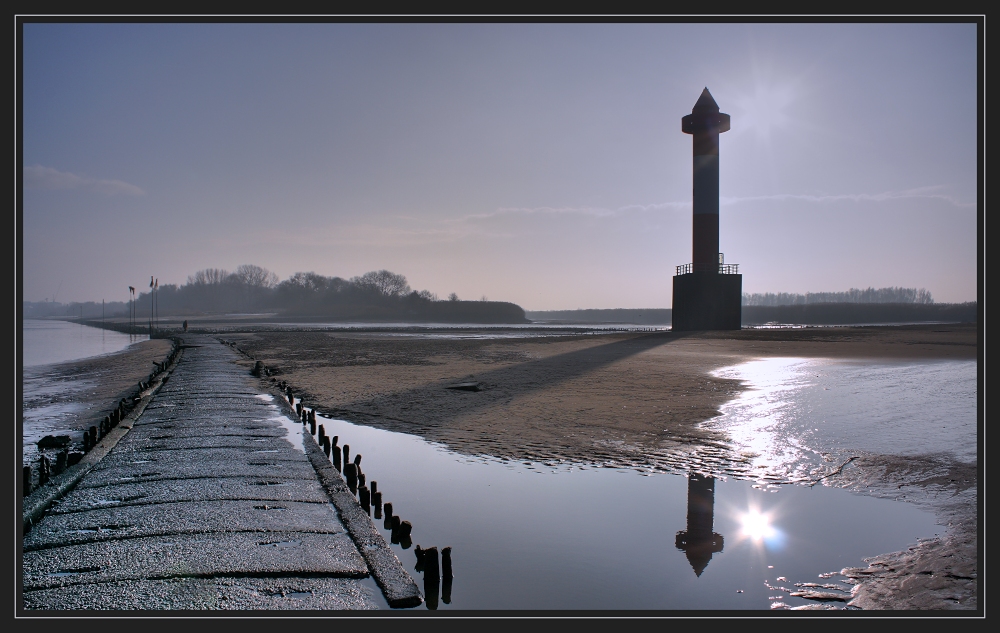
x=370 y=499
x=47 y=468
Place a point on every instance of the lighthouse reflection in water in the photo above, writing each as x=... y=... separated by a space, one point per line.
x=698 y=541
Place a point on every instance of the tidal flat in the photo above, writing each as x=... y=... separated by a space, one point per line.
x=640 y=403
x=650 y=402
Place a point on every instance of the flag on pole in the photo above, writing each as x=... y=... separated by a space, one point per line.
x=150 y=281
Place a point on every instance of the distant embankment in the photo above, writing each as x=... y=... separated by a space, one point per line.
x=650 y=316
x=850 y=313
x=493 y=312
x=807 y=314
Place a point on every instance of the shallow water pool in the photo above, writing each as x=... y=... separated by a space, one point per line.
x=529 y=536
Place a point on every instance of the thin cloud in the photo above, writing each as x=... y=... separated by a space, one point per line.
x=40 y=177
x=919 y=192
x=596 y=212
x=930 y=192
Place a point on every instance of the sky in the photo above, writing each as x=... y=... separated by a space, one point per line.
x=542 y=164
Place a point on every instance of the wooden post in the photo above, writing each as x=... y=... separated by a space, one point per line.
x=27 y=480
x=431 y=569
x=446 y=562
x=405 y=528
x=351 y=475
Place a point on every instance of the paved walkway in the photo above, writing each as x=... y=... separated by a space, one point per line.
x=214 y=499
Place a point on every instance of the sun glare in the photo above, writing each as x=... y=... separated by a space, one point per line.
x=756 y=526
x=764 y=109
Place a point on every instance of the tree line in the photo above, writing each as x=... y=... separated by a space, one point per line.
x=854 y=295
x=376 y=295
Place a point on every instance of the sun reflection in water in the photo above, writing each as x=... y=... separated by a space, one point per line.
x=757 y=526
x=758 y=529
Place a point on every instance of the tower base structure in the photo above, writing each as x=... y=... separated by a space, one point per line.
x=707 y=301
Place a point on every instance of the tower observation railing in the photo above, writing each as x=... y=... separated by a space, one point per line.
x=722 y=269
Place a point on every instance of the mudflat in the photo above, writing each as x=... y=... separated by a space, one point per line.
x=83 y=391
x=633 y=399
x=609 y=398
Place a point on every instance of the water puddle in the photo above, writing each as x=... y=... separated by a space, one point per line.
x=531 y=536
x=296 y=435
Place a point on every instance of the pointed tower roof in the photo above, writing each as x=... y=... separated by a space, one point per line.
x=706 y=102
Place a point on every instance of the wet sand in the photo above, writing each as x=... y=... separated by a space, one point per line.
x=68 y=398
x=634 y=400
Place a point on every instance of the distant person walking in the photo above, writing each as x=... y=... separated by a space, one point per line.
x=185 y=325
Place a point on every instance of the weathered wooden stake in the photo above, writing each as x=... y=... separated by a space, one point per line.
x=405 y=528
x=446 y=562
x=27 y=480
x=431 y=569
x=347 y=454
x=420 y=559
x=446 y=590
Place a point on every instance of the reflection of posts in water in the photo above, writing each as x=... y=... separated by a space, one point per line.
x=699 y=542
x=446 y=590
x=432 y=577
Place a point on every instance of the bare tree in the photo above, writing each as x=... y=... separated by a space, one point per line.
x=208 y=276
x=384 y=282
x=453 y=297
x=255 y=276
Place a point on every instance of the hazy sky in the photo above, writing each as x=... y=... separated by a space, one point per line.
x=541 y=164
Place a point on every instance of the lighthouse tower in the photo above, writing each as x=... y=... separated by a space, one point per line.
x=707 y=292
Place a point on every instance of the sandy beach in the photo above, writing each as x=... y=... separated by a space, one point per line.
x=635 y=400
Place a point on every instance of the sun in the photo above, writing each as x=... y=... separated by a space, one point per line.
x=764 y=110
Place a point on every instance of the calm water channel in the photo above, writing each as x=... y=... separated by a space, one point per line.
x=46 y=342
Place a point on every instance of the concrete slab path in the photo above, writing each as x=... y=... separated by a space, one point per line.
x=214 y=498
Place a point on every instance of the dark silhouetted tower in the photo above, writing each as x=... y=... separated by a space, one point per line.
x=707 y=292
x=699 y=542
